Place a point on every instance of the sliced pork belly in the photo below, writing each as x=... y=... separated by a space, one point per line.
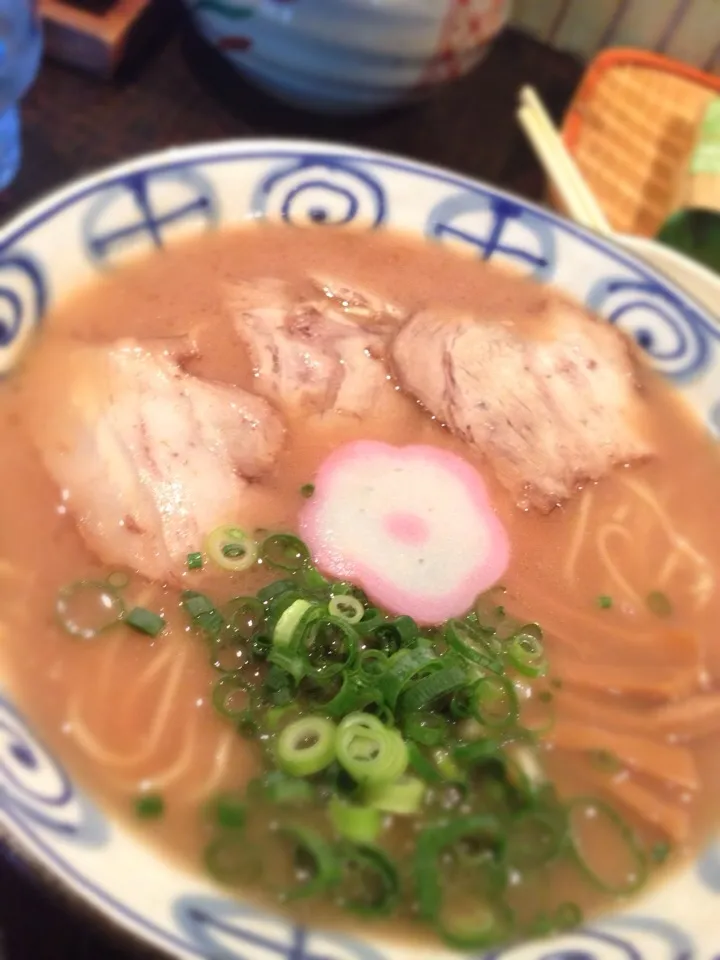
x=149 y=458
x=544 y=391
x=318 y=353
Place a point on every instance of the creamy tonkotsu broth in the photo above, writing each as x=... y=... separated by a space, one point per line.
x=491 y=820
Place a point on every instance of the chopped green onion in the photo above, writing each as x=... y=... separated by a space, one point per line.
x=348 y=608
x=225 y=695
x=283 y=790
x=353 y=822
x=477 y=646
x=373 y=663
x=659 y=604
x=306 y=746
x=422 y=693
x=604 y=601
x=354 y=694
x=202 y=612
x=227 y=811
x=273 y=591
x=423 y=767
x=194 y=561
x=329 y=645
x=88 y=608
x=526 y=652
x=584 y=811
x=314 y=857
x=495 y=702
x=404 y=796
x=289 y=622
x=231 y=548
x=307 y=490
x=284 y=551
x=149 y=806
x=446 y=766
x=371 y=886
x=145 y=621
x=537 y=836
x=402 y=667
x=480 y=832
x=244 y=615
x=429 y=729
x=369 y=751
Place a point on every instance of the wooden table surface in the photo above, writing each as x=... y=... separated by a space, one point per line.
x=179 y=92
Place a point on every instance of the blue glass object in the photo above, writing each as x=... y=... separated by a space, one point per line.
x=20 y=50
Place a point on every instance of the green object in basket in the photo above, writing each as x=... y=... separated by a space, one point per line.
x=694 y=229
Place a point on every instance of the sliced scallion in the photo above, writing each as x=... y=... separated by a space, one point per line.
x=149 y=806
x=231 y=548
x=370 y=751
x=347 y=608
x=287 y=626
x=361 y=824
x=482 y=833
x=286 y=791
x=145 y=621
x=371 y=885
x=429 y=729
x=495 y=702
x=194 y=561
x=230 y=695
x=329 y=645
x=227 y=811
x=591 y=813
x=306 y=746
x=284 y=551
x=525 y=651
x=314 y=860
x=403 y=797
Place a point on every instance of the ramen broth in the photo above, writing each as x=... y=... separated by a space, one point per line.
x=131 y=715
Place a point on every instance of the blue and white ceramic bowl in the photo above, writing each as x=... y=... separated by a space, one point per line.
x=350 y=56
x=75 y=234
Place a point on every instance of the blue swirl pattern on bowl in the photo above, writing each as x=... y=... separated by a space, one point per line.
x=70 y=238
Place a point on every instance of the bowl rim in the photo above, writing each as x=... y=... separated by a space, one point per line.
x=57 y=199
x=85 y=896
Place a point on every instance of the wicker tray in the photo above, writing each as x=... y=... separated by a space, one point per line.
x=631 y=127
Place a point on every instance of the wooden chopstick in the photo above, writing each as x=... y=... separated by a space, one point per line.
x=558 y=163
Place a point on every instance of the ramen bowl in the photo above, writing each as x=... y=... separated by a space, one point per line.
x=77 y=235
x=350 y=56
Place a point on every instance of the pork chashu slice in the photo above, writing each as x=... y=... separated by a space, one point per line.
x=318 y=354
x=149 y=458
x=547 y=393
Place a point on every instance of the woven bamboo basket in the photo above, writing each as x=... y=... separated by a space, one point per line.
x=631 y=128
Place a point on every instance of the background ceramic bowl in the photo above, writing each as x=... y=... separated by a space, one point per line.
x=74 y=235
x=350 y=56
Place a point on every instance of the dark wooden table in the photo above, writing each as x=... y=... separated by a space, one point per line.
x=179 y=92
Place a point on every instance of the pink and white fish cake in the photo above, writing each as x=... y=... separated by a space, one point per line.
x=413 y=526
